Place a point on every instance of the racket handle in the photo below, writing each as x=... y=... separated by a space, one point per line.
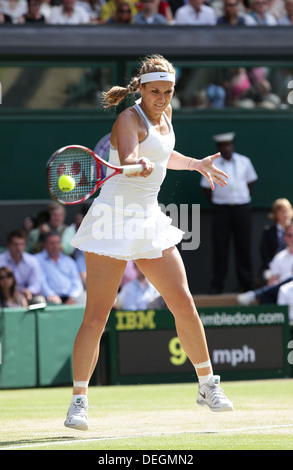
x=130 y=169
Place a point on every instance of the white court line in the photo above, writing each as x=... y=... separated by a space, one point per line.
x=100 y=439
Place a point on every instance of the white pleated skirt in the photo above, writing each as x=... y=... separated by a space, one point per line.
x=126 y=233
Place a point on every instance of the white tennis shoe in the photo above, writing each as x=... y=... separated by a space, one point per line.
x=212 y=396
x=77 y=413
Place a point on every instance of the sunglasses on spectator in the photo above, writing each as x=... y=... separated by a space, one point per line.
x=6 y=276
x=124 y=11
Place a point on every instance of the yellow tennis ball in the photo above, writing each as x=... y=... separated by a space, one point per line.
x=66 y=183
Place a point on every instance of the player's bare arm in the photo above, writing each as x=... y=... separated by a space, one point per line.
x=205 y=166
x=126 y=134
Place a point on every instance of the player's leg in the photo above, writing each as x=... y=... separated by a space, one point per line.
x=104 y=275
x=168 y=275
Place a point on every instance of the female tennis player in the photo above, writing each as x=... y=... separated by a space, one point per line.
x=138 y=230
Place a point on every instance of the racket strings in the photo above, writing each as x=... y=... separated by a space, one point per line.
x=79 y=165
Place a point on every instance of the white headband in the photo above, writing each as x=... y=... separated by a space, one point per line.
x=157 y=77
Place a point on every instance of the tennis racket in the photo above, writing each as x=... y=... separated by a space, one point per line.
x=82 y=169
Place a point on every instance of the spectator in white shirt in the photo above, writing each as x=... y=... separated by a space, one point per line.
x=15 y=9
x=259 y=15
x=137 y=294
x=287 y=19
x=195 y=13
x=281 y=268
x=285 y=297
x=69 y=13
x=60 y=279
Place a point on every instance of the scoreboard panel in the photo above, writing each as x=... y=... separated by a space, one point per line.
x=244 y=343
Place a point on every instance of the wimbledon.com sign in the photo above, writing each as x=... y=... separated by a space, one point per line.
x=255 y=338
x=241 y=318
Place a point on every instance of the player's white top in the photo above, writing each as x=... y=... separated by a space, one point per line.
x=125 y=220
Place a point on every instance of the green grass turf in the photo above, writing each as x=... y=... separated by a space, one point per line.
x=151 y=417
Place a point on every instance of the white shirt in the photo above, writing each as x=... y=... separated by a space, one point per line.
x=285 y=297
x=15 y=10
x=78 y=16
x=282 y=265
x=188 y=15
x=136 y=295
x=59 y=277
x=241 y=172
x=253 y=19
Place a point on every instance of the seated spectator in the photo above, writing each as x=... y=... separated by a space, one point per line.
x=195 y=13
x=68 y=234
x=259 y=14
x=218 y=7
x=231 y=14
x=34 y=15
x=261 y=88
x=136 y=294
x=51 y=220
x=46 y=9
x=122 y=15
x=60 y=279
x=272 y=239
x=163 y=7
x=9 y=293
x=130 y=273
x=92 y=7
x=24 y=265
x=238 y=86
x=14 y=9
x=69 y=13
x=276 y=8
x=216 y=95
x=285 y=297
x=281 y=268
x=109 y=8
x=79 y=258
x=148 y=14
x=287 y=19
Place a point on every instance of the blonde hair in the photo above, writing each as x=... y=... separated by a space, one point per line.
x=153 y=63
x=281 y=203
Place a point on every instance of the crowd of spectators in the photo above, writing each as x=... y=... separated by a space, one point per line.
x=168 y=12
x=42 y=262
x=39 y=265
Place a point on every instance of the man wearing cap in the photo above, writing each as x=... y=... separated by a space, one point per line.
x=231 y=216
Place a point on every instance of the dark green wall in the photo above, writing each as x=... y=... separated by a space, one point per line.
x=28 y=140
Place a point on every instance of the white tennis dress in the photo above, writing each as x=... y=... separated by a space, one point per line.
x=125 y=221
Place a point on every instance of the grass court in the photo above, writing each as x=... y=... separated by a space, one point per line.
x=151 y=417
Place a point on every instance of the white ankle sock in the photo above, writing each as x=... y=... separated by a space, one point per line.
x=203 y=379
